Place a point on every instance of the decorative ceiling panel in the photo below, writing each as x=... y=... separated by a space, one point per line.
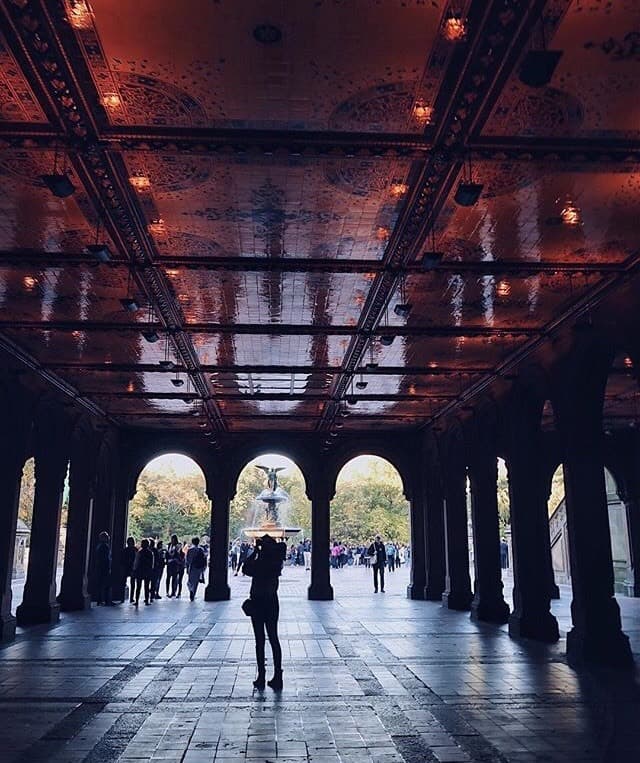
x=270 y=297
x=324 y=208
x=261 y=349
x=544 y=216
x=593 y=92
x=17 y=100
x=30 y=216
x=356 y=66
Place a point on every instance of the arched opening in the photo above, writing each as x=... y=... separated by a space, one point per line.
x=23 y=532
x=270 y=498
x=369 y=501
x=618 y=533
x=504 y=525
x=170 y=498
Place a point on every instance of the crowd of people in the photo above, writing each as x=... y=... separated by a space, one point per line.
x=145 y=563
x=347 y=554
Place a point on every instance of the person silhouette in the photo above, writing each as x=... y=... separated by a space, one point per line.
x=264 y=567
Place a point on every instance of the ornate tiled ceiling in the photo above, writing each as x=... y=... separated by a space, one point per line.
x=268 y=176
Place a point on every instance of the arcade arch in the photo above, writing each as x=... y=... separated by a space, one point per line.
x=170 y=497
x=369 y=499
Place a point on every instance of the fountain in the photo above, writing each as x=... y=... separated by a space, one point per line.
x=272 y=495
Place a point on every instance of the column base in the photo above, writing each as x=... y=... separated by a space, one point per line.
x=432 y=594
x=217 y=592
x=7 y=628
x=320 y=592
x=415 y=592
x=496 y=611
x=609 y=649
x=77 y=603
x=37 y=614
x=538 y=626
x=457 y=600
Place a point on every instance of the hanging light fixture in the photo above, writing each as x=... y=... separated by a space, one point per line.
x=538 y=66
x=99 y=250
x=177 y=381
x=351 y=398
x=167 y=363
x=361 y=383
x=454 y=25
x=431 y=258
x=386 y=340
x=468 y=191
x=58 y=183
x=372 y=363
x=129 y=302
x=403 y=308
x=150 y=334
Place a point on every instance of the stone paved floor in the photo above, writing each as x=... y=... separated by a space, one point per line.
x=367 y=678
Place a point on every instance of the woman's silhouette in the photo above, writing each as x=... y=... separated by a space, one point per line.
x=264 y=567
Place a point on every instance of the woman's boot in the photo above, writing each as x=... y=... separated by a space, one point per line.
x=276 y=682
x=259 y=683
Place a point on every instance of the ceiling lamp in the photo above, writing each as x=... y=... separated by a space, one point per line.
x=454 y=27
x=467 y=193
x=361 y=383
x=129 y=302
x=538 y=66
x=167 y=363
x=386 y=340
x=177 y=382
x=59 y=184
x=99 y=250
x=151 y=336
x=431 y=259
x=404 y=307
x=570 y=214
x=422 y=113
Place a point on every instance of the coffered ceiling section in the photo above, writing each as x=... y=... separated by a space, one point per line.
x=275 y=185
x=320 y=65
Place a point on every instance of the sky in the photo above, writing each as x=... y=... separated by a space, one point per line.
x=182 y=465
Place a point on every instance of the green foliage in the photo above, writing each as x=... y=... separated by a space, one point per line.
x=169 y=503
x=371 y=503
x=27 y=492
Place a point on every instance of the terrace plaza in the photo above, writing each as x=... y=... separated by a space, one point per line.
x=322 y=229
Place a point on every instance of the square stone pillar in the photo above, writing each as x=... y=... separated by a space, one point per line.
x=457 y=594
x=218 y=586
x=531 y=616
x=74 y=593
x=320 y=588
x=435 y=563
x=596 y=636
x=39 y=603
x=417 y=583
x=488 y=601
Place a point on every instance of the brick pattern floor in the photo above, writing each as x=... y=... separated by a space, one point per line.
x=369 y=678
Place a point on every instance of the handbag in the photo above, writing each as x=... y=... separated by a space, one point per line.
x=249 y=607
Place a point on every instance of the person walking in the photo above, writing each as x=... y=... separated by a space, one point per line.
x=377 y=554
x=143 y=571
x=128 y=560
x=306 y=553
x=159 y=561
x=196 y=563
x=391 y=556
x=103 y=570
x=264 y=567
x=172 y=557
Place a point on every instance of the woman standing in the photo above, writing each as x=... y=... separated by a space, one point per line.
x=174 y=549
x=143 y=571
x=128 y=560
x=196 y=564
x=264 y=567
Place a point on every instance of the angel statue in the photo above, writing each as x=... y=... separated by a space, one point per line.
x=272 y=475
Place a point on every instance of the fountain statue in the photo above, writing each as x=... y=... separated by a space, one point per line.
x=272 y=496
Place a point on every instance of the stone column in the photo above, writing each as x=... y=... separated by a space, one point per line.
x=218 y=586
x=103 y=512
x=320 y=588
x=434 y=535
x=531 y=616
x=39 y=603
x=632 y=506
x=488 y=601
x=457 y=594
x=13 y=453
x=417 y=582
x=596 y=636
x=123 y=494
x=74 y=593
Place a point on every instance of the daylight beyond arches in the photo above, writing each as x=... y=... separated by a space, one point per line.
x=369 y=500
x=170 y=498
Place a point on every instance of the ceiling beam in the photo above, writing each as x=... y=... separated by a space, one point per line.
x=328 y=144
x=516 y=268
x=310 y=370
x=275 y=329
x=280 y=396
